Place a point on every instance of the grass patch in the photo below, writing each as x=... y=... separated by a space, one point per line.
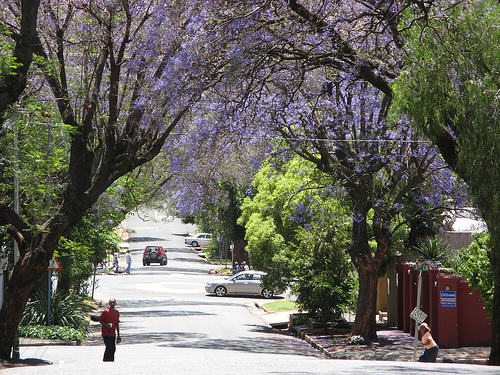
x=281 y=305
x=218 y=261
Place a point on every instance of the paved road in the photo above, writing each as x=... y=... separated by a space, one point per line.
x=169 y=326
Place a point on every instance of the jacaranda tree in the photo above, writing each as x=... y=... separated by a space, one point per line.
x=322 y=73
x=340 y=124
x=121 y=76
x=212 y=166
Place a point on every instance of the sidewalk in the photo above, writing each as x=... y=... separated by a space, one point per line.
x=392 y=345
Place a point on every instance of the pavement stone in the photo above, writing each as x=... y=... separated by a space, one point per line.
x=392 y=345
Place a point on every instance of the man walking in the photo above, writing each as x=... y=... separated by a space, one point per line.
x=110 y=329
x=128 y=259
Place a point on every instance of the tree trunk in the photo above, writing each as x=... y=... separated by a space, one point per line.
x=239 y=252
x=365 y=324
x=491 y=214
x=25 y=277
x=368 y=263
x=494 y=358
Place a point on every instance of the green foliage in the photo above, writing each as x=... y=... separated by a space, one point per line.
x=53 y=332
x=66 y=310
x=39 y=161
x=86 y=245
x=8 y=63
x=221 y=211
x=473 y=264
x=212 y=250
x=449 y=88
x=430 y=249
x=297 y=231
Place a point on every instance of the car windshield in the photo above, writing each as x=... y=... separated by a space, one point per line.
x=151 y=248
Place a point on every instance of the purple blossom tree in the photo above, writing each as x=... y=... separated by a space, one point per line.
x=339 y=123
x=212 y=163
x=320 y=75
x=122 y=75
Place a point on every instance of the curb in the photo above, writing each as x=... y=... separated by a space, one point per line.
x=471 y=361
x=45 y=342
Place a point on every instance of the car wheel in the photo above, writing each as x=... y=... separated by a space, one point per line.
x=143 y=263
x=147 y=264
x=194 y=244
x=266 y=293
x=220 y=291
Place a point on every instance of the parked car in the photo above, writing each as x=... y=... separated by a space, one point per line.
x=200 y=240
x=244 y=283
x=154 y=254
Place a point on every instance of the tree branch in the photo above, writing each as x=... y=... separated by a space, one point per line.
x=14 y=84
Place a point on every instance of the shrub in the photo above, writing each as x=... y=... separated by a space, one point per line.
x=67 y=310
x=52 y=332
x=431 y=249
x=474 y=265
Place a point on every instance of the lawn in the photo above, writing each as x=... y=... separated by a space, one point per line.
x=281 y=305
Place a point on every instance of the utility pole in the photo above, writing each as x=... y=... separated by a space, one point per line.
x=418 y=315
x=15 y=347
x=419 y=292
x=49 y=272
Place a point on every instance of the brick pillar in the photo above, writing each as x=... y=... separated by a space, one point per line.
x=432 y=320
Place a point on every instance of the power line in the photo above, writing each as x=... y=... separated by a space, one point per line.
x=329 y=140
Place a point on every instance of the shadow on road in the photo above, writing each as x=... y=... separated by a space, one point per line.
x=156 y=269
x=137 y=304
x=145 y=239
x=162 y=313
x=274 y=345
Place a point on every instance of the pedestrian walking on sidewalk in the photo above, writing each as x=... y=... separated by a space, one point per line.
x=128 y=259
x=110 y=329
x=116 y=262
x=431 y=349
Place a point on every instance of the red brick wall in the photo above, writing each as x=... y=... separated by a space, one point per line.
x=456 y=313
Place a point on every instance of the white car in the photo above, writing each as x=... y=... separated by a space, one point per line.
x=244 y=283
x=199 y=240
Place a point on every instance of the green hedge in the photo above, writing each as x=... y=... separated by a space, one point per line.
x=52 y=332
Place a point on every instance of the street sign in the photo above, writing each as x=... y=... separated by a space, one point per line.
x=422 y=267
x=54 y=265
x=448 y=298
x=418 y=315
